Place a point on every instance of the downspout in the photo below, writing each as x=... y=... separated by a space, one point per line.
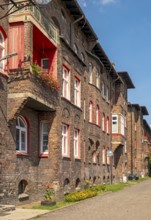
x=131 y=144
x=71 y=28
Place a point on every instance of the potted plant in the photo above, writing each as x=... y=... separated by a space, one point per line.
x=49 y=196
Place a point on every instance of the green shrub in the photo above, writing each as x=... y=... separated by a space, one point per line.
x=98 y=188
x=77 y=196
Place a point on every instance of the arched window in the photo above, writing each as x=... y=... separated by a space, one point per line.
x=104 y=155
x=103 y=122
x=107 y=125
x=97 y=115
x=97 y=79
x=1 y=51
x=21 y=135
x=91 y=112
x=90 y=72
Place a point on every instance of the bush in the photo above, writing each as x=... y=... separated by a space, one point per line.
x=98 y=188
x=77 y=196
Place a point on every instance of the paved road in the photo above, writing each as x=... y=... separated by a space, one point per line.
x=133 y=203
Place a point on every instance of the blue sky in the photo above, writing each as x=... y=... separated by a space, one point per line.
x=124 y=31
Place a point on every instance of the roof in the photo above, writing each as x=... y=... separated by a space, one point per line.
x=76 y=12
x=125 y=76
x=98 y=51
x=138 y=107
x=144 y=110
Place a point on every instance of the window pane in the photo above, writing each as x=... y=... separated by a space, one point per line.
x=45 y=142
x=45 y=127
x=22 y=124
x=23 y=140
x=17 y=139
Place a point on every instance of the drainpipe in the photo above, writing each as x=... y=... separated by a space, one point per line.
x=71 y=28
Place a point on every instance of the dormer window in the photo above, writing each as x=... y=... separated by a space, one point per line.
x=75 y=48
x=90 y=72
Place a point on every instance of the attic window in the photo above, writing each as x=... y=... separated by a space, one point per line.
x=82 y=57
x=75 y=48
x=63 y=15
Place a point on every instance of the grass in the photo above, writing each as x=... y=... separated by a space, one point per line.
x=109 y=187
x=57 y=206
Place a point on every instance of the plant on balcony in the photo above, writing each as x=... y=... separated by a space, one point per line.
x=48 y=79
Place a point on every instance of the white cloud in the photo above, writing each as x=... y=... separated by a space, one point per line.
x=105 y=2
x=83 y=3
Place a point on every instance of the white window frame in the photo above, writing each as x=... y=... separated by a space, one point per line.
x=97 y=115
x=91 y=111
x=77 y=92
x=76 y=143
x=21 y=130
x=2 y=48
x=103 y=122
x=104 y=156
x=115 y=130
x=42 y=61
x=42 y=133
x=90 y=73
x=97 y=79
x=122 y=124
x=66 y=83
x=65 y=140
x=107 y=125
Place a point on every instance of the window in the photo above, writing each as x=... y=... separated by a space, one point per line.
x=82 y=57
x=97 y=115
x=45 y=64
x=66 y=85
x=97 y=79
x=21 y=135
x=103 y=89
x=65 y=137
x=76 y=143
x=107 y=125
x=94 y=158
x=107 y=94
x=104 y=156
x=84 y=110
x=75 y=48
x=44 y=133
x=122 y=125
x=90 y=73
x=108 y=158
x=103 y=122
x=91 y=112
x=77 y=95
x=1 y=51
x=114 y=124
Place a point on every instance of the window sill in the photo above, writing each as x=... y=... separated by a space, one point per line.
x=22 y=154
x=66 y=158
x=77 y=159
x=69 y=101
x=43 y=155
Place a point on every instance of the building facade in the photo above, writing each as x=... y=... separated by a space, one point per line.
x=62 y=102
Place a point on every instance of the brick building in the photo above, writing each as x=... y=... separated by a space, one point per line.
x=59 y=136
x=136 y=128
x=119 y=127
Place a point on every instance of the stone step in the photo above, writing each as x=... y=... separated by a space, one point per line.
x=6 y=208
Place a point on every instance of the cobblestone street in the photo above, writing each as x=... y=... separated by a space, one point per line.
x=129 y=204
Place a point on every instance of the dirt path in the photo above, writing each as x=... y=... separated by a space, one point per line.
x=133 y=203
